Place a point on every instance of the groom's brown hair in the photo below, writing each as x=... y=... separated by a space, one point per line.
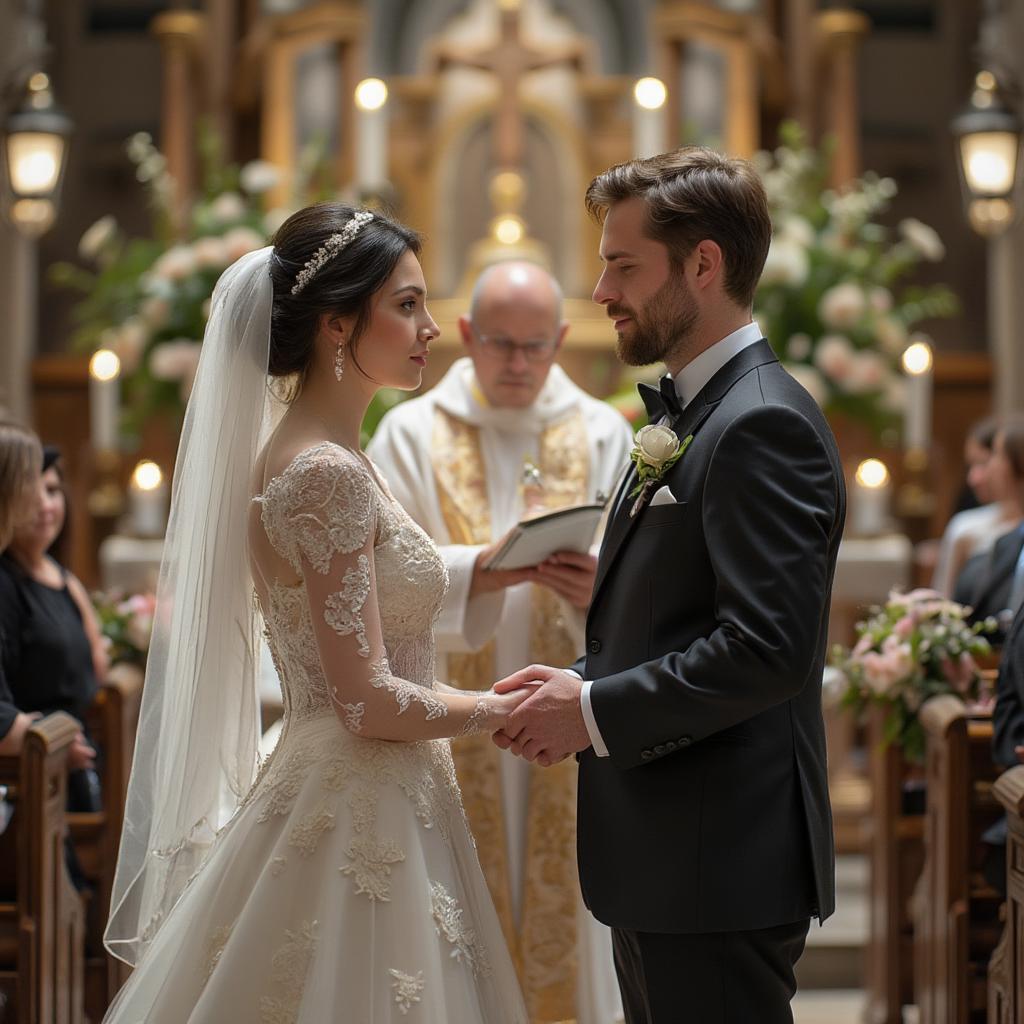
x=691 y=194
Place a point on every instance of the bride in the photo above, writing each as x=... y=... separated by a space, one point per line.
x=338 y=882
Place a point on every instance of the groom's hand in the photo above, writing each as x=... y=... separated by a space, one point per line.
x=548 y=726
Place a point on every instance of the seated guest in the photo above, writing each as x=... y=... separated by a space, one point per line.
x=20 y=462
x=975 y=529
x=990 y=582
x=1007 y=740
x=52 y=650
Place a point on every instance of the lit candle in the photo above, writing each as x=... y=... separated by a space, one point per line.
x=104 y=395
x=372 y=135
x=917 y=415
x=869 y=506
x=649 y=95
x=148 y=500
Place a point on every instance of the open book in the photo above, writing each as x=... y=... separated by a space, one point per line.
x=533 y=540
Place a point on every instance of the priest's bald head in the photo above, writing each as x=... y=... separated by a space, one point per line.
x=513 y=331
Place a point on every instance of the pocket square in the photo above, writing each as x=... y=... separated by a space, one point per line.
x=663 y=496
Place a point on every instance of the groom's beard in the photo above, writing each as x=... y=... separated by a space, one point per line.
x=660 y=327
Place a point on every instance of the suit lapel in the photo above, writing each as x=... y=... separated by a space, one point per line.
x=621 y=524
x=1004 y=559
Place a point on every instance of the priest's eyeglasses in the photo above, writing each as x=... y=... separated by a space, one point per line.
x=500 y=346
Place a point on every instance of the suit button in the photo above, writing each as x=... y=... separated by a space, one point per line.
x=646 y=755
x=685 y=741
x=671 y=744
x=594 y=647
x=660 y=748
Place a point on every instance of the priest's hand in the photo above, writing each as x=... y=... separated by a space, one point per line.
x=548 y=726
x=486 y=581
x=570 y=575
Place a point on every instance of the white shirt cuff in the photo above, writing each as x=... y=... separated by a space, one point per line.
x=596 y=740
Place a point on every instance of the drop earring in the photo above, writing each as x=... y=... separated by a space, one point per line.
x=339 y=361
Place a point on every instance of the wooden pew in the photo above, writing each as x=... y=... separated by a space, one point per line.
x=956 y=912
x=1006 y=968
x=41 y=920
x=896 y=851
x=113 y=722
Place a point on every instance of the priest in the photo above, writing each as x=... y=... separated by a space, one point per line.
x=506 y=434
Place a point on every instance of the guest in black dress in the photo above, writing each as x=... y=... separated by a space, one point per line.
x=53 y=652
x=20 y=463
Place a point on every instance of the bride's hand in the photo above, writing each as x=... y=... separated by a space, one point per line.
x=503 y=704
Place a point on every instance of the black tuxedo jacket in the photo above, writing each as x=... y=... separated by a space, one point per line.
x=1008 y=716
x=706 y=641
x=989 y=591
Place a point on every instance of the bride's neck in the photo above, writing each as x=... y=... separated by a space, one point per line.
x=337 y=406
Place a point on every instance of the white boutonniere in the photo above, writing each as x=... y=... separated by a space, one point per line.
x=656 y=451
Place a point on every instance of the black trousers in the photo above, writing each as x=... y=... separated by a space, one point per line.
x=710 y=978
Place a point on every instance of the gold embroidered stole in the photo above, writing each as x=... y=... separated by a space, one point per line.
x=544 y=947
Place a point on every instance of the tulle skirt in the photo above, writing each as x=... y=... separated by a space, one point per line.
x=346 y=889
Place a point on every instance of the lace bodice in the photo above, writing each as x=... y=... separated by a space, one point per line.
x=355 y=634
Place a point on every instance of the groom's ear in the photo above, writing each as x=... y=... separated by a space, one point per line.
x=708 y=263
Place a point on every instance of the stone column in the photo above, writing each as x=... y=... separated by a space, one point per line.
x=18 y=286
x=1006 y=254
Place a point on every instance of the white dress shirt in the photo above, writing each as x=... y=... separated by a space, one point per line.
x=689 y=382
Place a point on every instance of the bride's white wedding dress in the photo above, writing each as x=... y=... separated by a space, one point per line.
x=346 y=888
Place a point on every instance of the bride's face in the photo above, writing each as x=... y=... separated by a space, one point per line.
x=393 y=349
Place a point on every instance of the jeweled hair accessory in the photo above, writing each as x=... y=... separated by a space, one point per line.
x=330 y=249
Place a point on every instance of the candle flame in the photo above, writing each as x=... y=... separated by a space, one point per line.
x=917 y=358
x=873 y=474
x=147 y=476
x=104 y=365
x=371 y=94
x=650 y=93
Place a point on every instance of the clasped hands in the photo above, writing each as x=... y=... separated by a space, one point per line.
x=548 y=726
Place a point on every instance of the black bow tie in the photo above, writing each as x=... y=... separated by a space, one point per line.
x=662 y=400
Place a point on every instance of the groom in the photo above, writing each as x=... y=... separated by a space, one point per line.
x=704 y=831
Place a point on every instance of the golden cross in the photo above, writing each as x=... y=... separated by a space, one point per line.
x=509 y=60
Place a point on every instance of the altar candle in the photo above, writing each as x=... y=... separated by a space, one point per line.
x=148 y=500
x=869 y=506
x=371 y=135
x=917 y=414
x=104 y=397
x=649 y=95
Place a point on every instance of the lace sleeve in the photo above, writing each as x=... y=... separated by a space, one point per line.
x=332 y=523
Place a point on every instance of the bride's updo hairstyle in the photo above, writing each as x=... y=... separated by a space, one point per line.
x=341 y=284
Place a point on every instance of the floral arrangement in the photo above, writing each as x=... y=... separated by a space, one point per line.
x=916 y=646
x=832 y=298
x=148 y=299
x=126 y=622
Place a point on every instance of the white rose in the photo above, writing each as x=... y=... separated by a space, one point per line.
x=657 y=444
x=799 y=347
x=842 y=305
x=211 y=253
x=96 y=238
x=834 y=357
x=176 y=264
x=128 y=341
x=891 y=335
x=228 y=207
x=239 y=241
x=922 y=239
x=810 y=380
x=798 y=229
x=870 y=372
x=156 y=311
x=880 y=299
x=174 y=360
x=259 y=176
x=786 y=262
